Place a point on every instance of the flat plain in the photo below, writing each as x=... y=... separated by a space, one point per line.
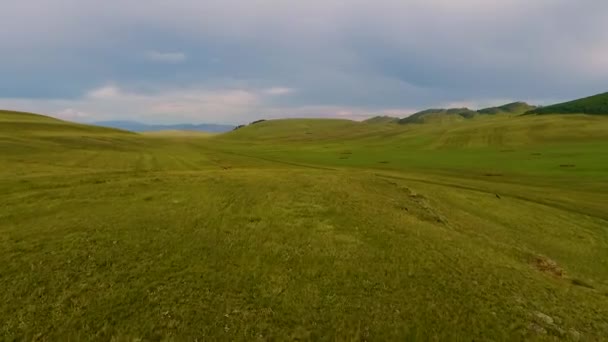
x=493 y=228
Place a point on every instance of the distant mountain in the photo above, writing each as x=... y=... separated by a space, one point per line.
x=382 y=120
x=135 y=126
x=510 y=108
x=441 y=115
x=597 y=104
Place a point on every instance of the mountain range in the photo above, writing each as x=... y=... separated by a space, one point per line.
x=594 y=105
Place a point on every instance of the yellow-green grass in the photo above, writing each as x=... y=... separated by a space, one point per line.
x=570 y=146
x=307 y=229
x=12 y=123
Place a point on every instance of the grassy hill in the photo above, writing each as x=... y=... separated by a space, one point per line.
x=381 y=120
x=304 y=130
x=515 y=108
x=12 y=123
x=491 y=228
x=597 y=104
x=36 y=140
x=439 y=116
x=466 y=144
x=459 y=114
x=12 y=116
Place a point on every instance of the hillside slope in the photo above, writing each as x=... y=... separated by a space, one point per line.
x=439 y=116
x=385 y=119
x=40 y=137
x=515 y=108
x=12 y=122
x=596 y=105
x=304 y=130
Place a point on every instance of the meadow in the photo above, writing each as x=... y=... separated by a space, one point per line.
x=494 y=228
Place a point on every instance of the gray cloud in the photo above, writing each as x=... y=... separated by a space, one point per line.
x=166 y=57
x=322 y=58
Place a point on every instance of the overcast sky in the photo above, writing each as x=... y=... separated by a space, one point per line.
x=234 y=61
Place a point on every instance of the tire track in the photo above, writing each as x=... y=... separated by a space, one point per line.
x=506 y=195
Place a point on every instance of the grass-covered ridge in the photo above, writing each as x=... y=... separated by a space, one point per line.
x=488 y=228
x=453 y=115
x=514 y=108
x=597 y=104
x=20 y=123
x=439 y=116
x=384 y=119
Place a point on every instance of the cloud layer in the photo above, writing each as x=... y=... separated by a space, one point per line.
x=166 y=57
x=235 y=61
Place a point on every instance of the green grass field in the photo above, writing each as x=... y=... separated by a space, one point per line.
x=493 y=228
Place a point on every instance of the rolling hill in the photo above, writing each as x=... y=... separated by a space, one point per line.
x=439 y=115
x=458 y=114
x=13 y=123
x=382 y=120
x=514 y=108
x=135 y=126
x=296 y=130
x=595 y=105
x=39 y=137
x=306 y=229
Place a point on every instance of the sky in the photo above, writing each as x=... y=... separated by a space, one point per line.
x=235 y=61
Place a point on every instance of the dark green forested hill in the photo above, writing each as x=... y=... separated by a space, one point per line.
x=597 y=104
